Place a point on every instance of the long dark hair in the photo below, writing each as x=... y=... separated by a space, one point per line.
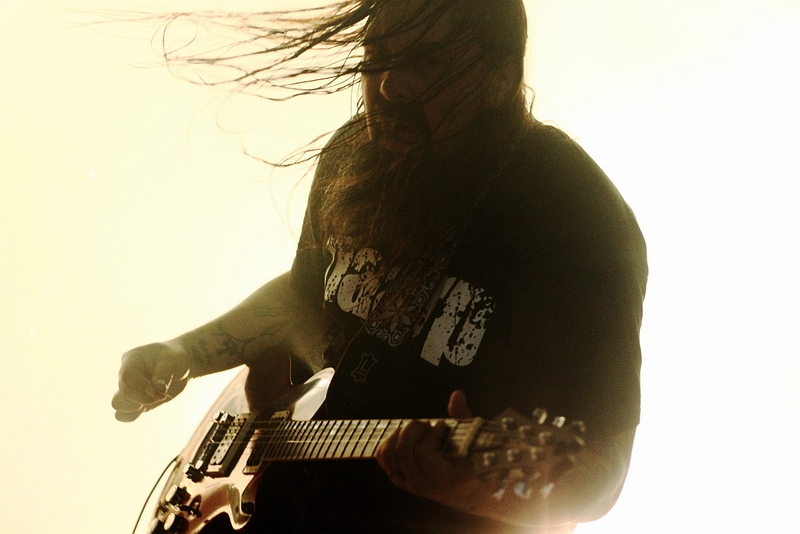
x=285 y=54
x=402 y=205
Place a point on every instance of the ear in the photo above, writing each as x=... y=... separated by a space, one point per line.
x=502 y=85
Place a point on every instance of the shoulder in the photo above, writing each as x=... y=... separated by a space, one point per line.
x=554 y=171
x=563 y=201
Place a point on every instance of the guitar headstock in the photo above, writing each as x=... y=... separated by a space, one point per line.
x=526 y=455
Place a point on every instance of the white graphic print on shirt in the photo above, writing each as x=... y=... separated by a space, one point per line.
x=457 y=330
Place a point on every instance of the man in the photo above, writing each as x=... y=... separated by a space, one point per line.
x=457 y=256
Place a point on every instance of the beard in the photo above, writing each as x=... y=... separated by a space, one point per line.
x=408 y=205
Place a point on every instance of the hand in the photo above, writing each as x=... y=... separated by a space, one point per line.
x=148 y=377
x=413 y=459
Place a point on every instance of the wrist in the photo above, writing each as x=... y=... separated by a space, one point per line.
x=184 y=363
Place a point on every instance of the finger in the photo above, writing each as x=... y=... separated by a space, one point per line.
x=408 y=442
x=135 y=377
x=136 y=388
x=121 y=403
x=169 y=376
x=126 y=417
x=386 y=455
x=126 y=410
x=458 y=407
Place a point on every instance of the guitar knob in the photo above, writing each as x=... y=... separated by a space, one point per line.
x=193 y=473
x=175 y=524
x=177 y=495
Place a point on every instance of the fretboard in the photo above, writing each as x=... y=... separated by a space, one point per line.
x=332 y=439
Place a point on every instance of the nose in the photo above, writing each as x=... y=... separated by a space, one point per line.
x=395 y=86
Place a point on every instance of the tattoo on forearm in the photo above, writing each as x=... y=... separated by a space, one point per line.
x=218 y=344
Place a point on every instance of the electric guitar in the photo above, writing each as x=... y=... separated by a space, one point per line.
x=217 y=471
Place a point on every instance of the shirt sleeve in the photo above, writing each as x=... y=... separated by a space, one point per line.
x=566 y=332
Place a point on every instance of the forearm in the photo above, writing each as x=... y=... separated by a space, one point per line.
x=273 y=320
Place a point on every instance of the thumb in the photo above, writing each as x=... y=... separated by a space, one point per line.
x=169 y=376
x=458 y=407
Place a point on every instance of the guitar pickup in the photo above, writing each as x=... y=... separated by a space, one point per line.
x=224 y=444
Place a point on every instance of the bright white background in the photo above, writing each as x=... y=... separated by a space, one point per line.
x=128 y=214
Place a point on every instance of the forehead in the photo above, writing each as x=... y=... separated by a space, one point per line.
x=404 y=23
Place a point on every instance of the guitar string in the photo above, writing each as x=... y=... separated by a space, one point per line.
x=311 y=449
x=286 y=435
x=330 y=428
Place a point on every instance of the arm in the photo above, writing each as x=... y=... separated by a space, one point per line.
x=269 y=323
x=275 y=317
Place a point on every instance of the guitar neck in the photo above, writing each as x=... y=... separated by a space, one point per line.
x=334 y=439
x=281 y=439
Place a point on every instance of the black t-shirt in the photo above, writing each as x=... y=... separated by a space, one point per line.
x=537 y=304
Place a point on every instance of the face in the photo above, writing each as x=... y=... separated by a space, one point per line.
x=427 y=97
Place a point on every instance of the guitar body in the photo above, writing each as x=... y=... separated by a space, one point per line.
x=188 y=501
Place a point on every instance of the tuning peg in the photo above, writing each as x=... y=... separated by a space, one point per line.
x=513 y=455
x=524 y=487
x=489 y=459
x=577 y=427
x=539 y=415
x=509 y=423
x=559 y=421
x=546 y=437
x=523 y=490
x=535 y=453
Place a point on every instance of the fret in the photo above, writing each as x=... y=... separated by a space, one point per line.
x=286 y=441
x=330 y=440
x=326 y=439
x=308 y=439
x=383 y=428
x=375 y=438
x=269 y=435
x=294 y=439
x=283 y=439
x=354 y=440
x=358 y=449
x=259 y=445
x=301 y=439
x=320 y=440
x=344 y=438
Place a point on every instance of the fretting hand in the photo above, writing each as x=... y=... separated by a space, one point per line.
x=414 y=460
